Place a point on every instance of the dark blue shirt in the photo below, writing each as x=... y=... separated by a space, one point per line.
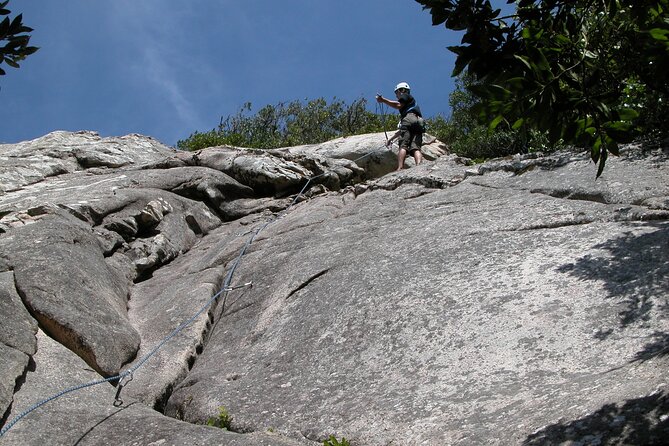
x=408 y=105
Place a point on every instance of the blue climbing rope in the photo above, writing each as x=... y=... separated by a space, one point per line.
x=128 y=374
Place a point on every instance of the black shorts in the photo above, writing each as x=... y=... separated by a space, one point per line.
x=411 y=134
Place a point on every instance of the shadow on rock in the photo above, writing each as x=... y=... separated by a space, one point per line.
x=639 y=421
x=82 y=439
x=635 y=272
x=659 y=347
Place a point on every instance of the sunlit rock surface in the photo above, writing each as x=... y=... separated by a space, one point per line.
x=519 y=301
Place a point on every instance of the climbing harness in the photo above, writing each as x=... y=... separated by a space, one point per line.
x=126 y=376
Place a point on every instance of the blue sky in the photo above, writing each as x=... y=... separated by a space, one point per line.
x=166 y=68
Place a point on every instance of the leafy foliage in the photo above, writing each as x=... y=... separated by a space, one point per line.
x=223 y=420
x=583 y=71
x=290 y=124
x=12 y=32
x=316 y=121
x=332 y=441
x=466 y=137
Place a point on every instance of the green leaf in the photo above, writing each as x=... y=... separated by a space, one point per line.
x=480 y=90
x=627 y=114
x=555 y=133
x=595 y=152
x=517 y=83
x=614 y=149
x=500 y=92
x=602 y=108
x=538 y=59
x=524 y=60
x=439 y=15
x=621 y=131
x=16 y=23
x=495 y=122
x=659 y=34
x=561 y=38
x=602 y=163
x=4 y=27
x=464 y=57
x=460 y=64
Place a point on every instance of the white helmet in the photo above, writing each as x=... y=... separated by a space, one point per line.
x=402 y=85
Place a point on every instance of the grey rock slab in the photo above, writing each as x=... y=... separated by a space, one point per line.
x=174 y=311
x=368 y=151
x=152 y=228
x=636 y=177
x=89 y=417
x=17 y=338
x=82 y=190
x=259 y=169
x=519 y=301
x=61 y=273
x=12 y=367
x=448 y=172
x=17 y=327
x=350 y=147
x=64 y=152
x=438 y=316
x=196 y=183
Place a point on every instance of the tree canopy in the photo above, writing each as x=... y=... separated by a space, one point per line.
x=13 y=33
x=290 y=124
x=588 y=72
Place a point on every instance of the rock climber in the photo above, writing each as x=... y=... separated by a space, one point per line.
x=411 y=126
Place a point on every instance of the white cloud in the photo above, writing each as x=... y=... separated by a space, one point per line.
x=150 y=29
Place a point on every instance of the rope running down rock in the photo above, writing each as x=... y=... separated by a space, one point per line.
x=126 y=376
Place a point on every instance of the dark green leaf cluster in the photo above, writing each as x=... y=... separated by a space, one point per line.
x=223 y=420
x=332 y=441
x=466 y=137
x=12 y=32
x=591 y=73
x=291 y=124
x=316 y=121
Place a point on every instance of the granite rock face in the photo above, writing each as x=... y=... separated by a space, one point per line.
x=519 y=301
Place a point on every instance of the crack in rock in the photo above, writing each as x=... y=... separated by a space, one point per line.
x=307 y=282
x=571 y=194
